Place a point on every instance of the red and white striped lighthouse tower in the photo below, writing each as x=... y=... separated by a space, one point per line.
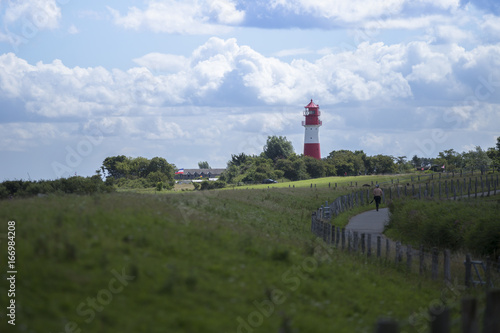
x=312 y=124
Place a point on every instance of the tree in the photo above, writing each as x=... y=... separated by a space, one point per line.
x=421 y=162
x=315 y=168
x=382 y=164
x=476 y=159
x=402 y=164
x=238 y=160
x=139 y=170
x=293 y=168
x=494 y=153
x=260 y=169
x=453 y=160
x=204 y=165
x=346 y=162
x=416 y=161
x=160 y=164
x=112 y=168
x=278 y=147
x=139 y=166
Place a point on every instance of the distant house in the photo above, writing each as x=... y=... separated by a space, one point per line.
x=187 y=174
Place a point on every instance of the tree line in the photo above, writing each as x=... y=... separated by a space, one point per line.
x=71 y=185
x=279 y=161
x=139 y=172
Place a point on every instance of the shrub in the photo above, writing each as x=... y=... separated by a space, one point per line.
x=210 y=185
x=455 y=225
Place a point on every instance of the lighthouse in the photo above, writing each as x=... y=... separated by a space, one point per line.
x=311 y=136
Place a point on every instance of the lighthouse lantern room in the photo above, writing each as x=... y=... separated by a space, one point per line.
x=311 y=136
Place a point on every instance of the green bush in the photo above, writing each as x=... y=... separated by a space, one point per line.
x=159 y=186
x=456 y=225
x=210 y=185
x=72 y=185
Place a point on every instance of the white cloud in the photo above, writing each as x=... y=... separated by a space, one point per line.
x=42 y=14
x=21 y=136
x=161 y=62
x=442 y=4
x=374 y=142
x=223 y=73
x=73 y=30
x=491 y=25
x=435 y=67
x=343 y=10
x=183 y=17
x=450 y=34
x=292 y=52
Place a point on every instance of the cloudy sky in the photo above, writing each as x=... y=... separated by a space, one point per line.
x=199 y=80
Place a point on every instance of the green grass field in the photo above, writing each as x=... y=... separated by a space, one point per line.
x=215 y=261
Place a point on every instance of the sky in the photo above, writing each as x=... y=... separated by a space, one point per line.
x=200 y=80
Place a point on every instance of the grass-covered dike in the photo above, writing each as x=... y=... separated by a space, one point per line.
x=213 y=261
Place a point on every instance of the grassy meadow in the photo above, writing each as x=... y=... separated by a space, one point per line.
x=213 y=261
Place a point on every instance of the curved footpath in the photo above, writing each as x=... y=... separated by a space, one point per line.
x=373 y=222
x=370 y=222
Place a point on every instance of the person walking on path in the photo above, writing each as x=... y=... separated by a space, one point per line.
x=377 y=195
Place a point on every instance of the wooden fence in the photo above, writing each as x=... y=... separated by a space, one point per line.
x=430 y=262
x=439 y=318
x=427 y=262
x=453 y=188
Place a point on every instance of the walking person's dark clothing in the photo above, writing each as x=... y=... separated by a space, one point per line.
x=377 y=195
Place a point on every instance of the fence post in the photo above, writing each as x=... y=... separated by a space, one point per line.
x=491 y=317
x=435 y=263
x=447 y=267
x=475 y=187
x=387 y=248
x=387 y=326
x=331 y=234
x=468 y=271
x=379 y=246
x=369 y=244
x=470 y=187
x=363 y=236
x=356 y=241
x=487 y=274
x=441 y=322
x=469 y=315
x=409 y=257
x=337 y=238
x=398 y=252
x=421 y=260
x=343 y=238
